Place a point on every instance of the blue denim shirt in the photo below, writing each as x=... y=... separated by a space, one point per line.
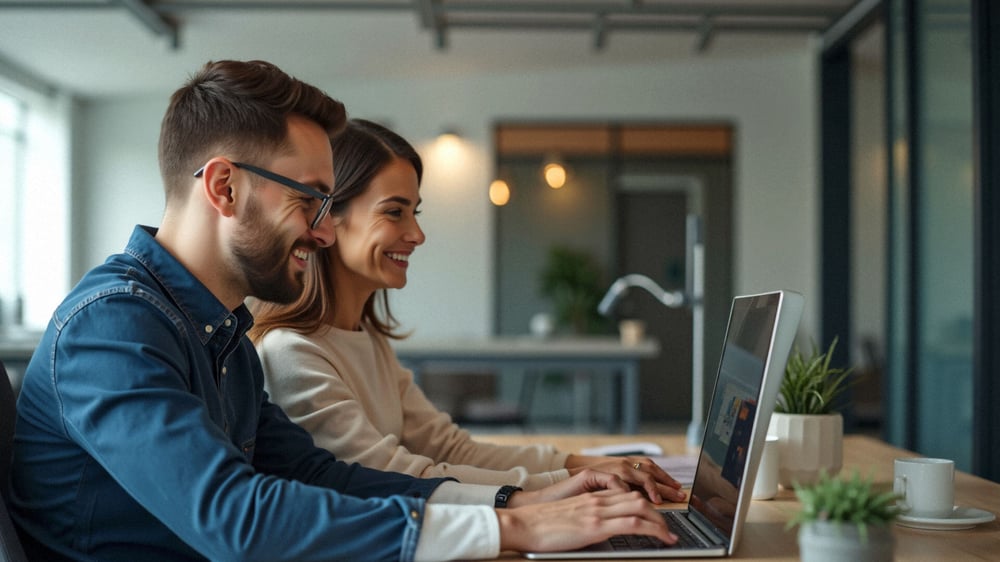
x=144 y=433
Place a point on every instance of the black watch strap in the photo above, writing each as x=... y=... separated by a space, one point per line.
x=504 y=494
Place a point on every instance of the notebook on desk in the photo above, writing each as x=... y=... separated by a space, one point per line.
x=758 y=339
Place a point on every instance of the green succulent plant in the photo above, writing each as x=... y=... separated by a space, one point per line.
x=811 y=385
x=853 y=501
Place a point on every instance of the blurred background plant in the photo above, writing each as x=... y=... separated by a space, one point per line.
x=574 y=282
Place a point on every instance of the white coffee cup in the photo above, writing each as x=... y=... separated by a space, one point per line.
x=927 y=486
x=765 y=486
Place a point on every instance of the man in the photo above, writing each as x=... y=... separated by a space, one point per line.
x=143 y=431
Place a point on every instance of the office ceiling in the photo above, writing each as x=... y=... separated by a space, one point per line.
x=112 y=47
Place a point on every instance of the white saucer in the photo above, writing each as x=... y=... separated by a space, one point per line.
x=961 y=518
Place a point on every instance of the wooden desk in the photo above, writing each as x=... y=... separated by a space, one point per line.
x=765 y=537
x=590 y=354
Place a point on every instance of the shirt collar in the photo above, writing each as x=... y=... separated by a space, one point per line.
x=201 y=307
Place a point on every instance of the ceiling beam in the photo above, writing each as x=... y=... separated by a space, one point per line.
x=152 y=20
x=706 y=20
x=634 y=7
x=806 y=9
x=600 y=32
x=855 y=19
x=706 y=31
x=430 y=19
x=577 y=25
x=25 y=78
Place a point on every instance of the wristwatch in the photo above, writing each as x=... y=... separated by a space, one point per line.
x=504 y=494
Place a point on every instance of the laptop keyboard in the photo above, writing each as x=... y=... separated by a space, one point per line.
x=685 y=538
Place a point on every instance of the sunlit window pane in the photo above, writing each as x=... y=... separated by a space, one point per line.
x=11 y=154
x=34 y=207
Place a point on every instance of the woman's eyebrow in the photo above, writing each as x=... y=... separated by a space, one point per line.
x=400 y=199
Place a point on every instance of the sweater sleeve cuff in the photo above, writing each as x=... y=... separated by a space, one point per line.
x=543 y=479
x=458 y=532
x=558 y=461
x=464 y=494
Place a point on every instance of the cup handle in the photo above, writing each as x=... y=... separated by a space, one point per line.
x=899 y=487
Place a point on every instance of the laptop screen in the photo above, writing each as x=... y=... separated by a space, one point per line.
x=728 y=429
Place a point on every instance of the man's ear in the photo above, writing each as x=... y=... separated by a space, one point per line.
x=217 y=185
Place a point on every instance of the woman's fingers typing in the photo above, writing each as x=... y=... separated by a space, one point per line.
x=640 y=472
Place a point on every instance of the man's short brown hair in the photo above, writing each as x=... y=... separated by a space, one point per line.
x=236 y=108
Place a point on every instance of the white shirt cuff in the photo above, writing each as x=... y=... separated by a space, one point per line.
x=452 y=532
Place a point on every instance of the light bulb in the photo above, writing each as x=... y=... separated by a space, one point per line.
x=555 y=175
x=499 y=193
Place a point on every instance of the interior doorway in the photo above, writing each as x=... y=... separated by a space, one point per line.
x=651 y=226
x=626 y=224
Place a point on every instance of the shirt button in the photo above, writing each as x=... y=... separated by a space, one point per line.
x=208 y=328
x=225 y=370
x=228 y=322
x=414 y=514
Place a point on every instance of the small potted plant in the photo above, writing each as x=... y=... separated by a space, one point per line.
x=845 y=520
x=810 y=431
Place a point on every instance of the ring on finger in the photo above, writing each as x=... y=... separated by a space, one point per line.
x=637 y=466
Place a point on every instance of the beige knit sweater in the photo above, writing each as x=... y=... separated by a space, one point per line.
x=350 y=392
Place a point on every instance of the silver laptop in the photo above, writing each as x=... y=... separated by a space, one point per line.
x=758 y=339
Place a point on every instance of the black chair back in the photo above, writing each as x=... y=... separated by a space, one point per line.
x=10 y=546
x=7 y=415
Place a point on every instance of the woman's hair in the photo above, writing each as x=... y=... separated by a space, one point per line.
x=240 y=109
x=360 y=152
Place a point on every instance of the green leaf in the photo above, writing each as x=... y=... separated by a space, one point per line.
x=810 y=384
x=853 y=501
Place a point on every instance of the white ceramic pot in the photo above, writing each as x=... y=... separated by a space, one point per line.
x=807 y=445
x=824 y=541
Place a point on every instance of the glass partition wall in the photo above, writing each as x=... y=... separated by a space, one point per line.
x=943 y=219
x=935 y=237
x=931 y=288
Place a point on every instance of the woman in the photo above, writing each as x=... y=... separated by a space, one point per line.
x=327 y=359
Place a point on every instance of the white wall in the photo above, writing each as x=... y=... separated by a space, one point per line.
x=768 y=97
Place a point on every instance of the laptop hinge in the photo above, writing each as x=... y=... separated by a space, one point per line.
x=707 y=528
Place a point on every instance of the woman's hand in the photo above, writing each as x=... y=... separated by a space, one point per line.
x=580 y=520
x=639 y=472
x=583 y=481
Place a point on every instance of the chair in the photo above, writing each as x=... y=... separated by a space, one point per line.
x=10 y=545
x=490 y=411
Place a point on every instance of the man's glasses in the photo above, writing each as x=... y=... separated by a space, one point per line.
x=326 y=200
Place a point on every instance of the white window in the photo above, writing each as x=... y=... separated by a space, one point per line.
x=34 y=206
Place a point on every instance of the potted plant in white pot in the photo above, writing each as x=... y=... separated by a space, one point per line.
x=810 y=431
x=845 y=520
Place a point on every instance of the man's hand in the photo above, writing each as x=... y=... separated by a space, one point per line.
x=581 y=520
x=639 y=472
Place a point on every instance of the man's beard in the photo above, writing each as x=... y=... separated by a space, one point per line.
x=263 y=259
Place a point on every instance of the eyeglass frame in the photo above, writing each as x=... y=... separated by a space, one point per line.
x=326 y=199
